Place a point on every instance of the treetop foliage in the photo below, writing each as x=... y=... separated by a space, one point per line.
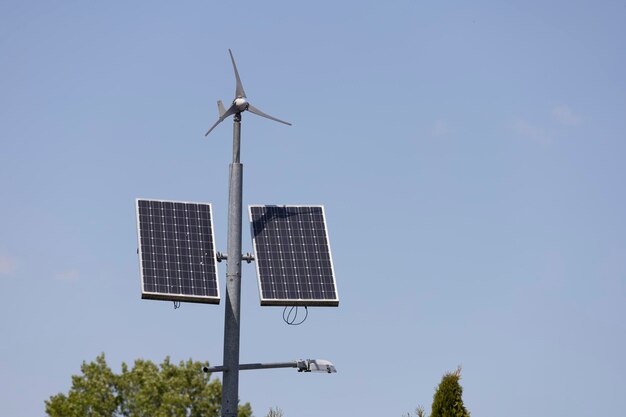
x=145 y=390
x=274 y=412
x=448 y=401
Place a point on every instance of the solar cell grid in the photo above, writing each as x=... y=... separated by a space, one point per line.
x=176 y=251
x=293 y=259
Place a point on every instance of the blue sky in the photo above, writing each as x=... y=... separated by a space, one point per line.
x=469 y=156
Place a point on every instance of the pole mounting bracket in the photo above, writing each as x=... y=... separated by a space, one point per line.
x=248 y=257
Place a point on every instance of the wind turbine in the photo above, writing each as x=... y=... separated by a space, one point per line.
x=240 y=103
x=232 y=310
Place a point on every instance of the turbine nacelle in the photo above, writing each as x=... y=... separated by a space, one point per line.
x=240 y=103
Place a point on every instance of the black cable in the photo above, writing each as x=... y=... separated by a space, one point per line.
x=287 y=319
x=291 y=317
x=176 y=304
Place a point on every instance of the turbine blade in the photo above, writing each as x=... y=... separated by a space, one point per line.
x=239 y=90
x=220 y=108
x=213 y=127
x=258 y=112
x=231 y=110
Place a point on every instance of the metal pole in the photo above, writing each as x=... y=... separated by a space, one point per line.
x=230 y=380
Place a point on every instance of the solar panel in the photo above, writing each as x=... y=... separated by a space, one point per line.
x=176 y=251
x=293 y=259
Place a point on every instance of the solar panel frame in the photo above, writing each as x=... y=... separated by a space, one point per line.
x=208 y=260
x=293 y=264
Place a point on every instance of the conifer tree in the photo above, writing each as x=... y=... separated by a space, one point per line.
x=448 y=401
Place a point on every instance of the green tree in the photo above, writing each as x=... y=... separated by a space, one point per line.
x=448 y=401
x=146 y=390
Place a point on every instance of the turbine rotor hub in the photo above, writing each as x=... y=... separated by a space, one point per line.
x=241 y=103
